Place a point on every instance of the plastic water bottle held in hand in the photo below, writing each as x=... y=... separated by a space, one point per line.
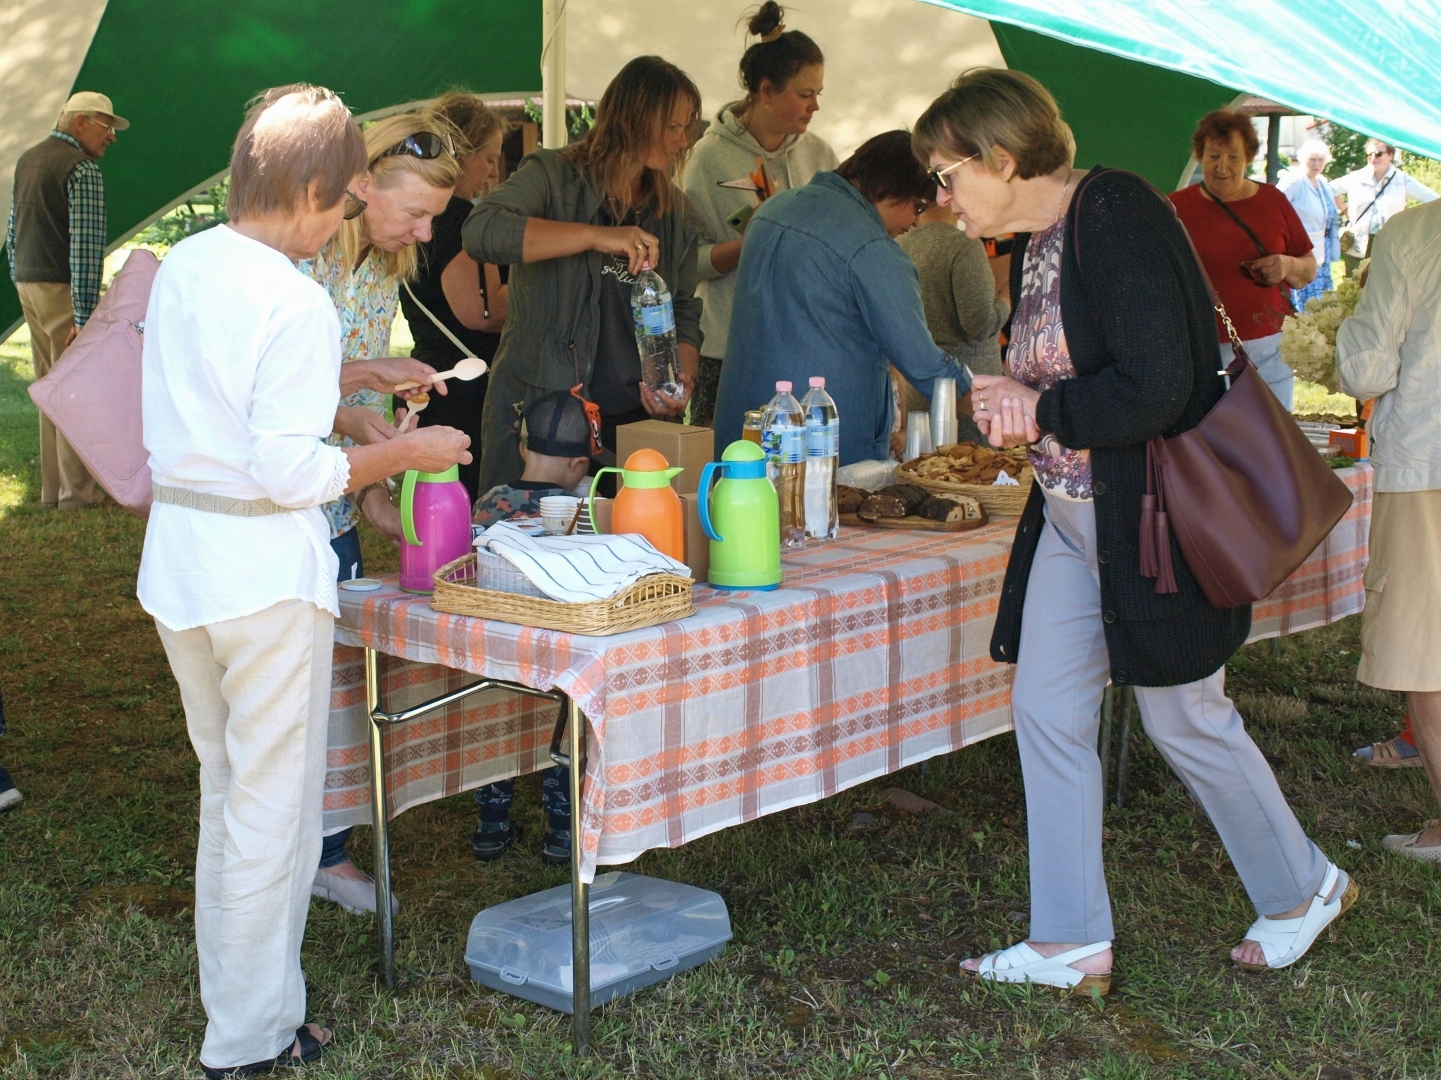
x=823 y=456
x=783 y=438
x=650 y=304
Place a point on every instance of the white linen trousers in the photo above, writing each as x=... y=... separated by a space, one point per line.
x=256 y=692
x=1061 y=674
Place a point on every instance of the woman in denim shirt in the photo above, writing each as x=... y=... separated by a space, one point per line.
x=824 y=289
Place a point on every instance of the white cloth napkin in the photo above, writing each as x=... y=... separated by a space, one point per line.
x=577 y=569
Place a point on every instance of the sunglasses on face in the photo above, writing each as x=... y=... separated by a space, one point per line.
x=356 y=206
x=938 y=176
x=1376 y=153
x=425 y=145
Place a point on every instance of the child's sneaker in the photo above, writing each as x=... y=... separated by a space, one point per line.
x=10 y=796
x=492 y=839
x=1397 y=753
x=555 y=849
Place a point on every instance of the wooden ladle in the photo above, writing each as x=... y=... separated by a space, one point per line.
x=472 y=367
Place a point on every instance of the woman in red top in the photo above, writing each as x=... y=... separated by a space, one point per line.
x=1251 y=242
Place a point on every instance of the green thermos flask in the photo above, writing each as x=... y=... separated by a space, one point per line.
x=742 y=517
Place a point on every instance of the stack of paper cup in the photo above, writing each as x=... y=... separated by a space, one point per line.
x=918 y=435
x=557 y=512
x=944 y=428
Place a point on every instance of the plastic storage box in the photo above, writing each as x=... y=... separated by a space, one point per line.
x=642 y=930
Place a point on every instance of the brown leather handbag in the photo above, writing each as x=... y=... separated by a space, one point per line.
x=1244 y=491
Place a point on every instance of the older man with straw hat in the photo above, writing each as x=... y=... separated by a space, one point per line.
x=56 y=245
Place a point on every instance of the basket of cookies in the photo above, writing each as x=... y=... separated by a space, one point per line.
x=1000 y=480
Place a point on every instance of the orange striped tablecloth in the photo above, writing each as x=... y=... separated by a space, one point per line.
x=874 y=655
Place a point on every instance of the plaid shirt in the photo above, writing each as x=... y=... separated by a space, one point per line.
x=85 y=190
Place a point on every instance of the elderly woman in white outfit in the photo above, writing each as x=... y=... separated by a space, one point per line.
x=241 y=385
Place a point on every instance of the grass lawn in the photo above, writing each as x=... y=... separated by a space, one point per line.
x=847 y=937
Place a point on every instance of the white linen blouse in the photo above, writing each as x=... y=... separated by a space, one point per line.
x=241 y=379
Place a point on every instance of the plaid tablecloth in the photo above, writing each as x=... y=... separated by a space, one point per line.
x=874 y=655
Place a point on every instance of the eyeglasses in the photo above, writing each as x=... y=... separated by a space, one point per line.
x=939 y=175
x=1376 y=153
x=426 y=145
x=109 y=128
x=357 y=206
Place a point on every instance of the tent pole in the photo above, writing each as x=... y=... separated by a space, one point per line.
x=552 y=74
x=1273 y=148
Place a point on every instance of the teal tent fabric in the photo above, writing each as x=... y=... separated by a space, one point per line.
x=1124 y=114
x=181 y=72
x=1373 y=67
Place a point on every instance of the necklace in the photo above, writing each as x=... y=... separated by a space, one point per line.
x=1060 y=206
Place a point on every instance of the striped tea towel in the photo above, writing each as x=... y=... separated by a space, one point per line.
x=576 y=569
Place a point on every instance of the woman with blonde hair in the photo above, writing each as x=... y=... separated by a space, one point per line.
x=411 y=171
x=576 y=225
x=452 y=298
x=1112 y=343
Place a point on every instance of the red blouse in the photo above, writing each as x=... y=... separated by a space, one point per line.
x=1224 y=246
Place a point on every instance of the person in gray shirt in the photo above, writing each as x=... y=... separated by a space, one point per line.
x=965 y=307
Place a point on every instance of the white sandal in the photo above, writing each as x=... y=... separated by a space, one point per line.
x=1021 y=963
x=1284 y=941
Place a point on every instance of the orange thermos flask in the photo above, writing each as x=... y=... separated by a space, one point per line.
x=647 y=504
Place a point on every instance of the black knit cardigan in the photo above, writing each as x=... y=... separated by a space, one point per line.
x=1142 y=335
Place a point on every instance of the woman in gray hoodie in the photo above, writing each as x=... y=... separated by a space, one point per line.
x=756 y=147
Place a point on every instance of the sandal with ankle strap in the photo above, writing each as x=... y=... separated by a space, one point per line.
x=1021 y=964
x=310 y=1049
x=1284 y=941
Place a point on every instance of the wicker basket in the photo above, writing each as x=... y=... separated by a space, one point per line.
x=656 y=598
x=1003 y=499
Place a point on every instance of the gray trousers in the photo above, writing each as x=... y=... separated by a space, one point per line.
x=1061 y=674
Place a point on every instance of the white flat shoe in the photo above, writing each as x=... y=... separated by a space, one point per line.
x=356 y=897
x=1021 y=964
x=1401 y=843
x=1284 y=941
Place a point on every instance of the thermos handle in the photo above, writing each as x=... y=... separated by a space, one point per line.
x=590 y=503
x=703 y=502
x=407 y=509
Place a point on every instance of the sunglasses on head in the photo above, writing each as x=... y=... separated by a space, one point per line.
x=425 y=145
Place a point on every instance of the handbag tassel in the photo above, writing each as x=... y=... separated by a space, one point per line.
x=1156 y=529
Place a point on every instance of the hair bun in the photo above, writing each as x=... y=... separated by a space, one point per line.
x=767 y=18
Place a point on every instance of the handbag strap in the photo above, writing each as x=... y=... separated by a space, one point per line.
x=465 y=351
x=1377 y=199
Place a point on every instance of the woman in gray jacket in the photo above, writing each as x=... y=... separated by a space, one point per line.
x=576 y=225
x=757 y=146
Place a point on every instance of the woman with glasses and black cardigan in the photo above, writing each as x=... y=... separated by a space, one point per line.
x=576 y=225
x=1112 y=343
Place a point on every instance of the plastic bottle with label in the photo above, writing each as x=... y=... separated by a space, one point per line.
x=650 y=304
x=783 y=438
x=823 y=456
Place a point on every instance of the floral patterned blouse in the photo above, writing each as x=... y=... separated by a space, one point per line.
x=366 y=301
x=1039 y=357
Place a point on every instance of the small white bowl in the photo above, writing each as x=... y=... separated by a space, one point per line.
x=361 y=584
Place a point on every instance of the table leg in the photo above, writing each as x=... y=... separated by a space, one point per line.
x=579 y=893
x=380 y=826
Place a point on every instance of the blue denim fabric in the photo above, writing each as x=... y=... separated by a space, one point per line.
x=822 y=290
x=347 y=548
x=494 y=800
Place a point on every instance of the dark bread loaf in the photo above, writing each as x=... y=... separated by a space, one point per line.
x=849 y=499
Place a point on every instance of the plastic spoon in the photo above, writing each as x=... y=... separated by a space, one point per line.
x=413 y=406
x=472 y=367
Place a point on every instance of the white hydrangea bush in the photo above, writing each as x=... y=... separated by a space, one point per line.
x=1308 y=339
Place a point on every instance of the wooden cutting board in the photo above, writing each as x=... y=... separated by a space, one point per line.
x=918 y=524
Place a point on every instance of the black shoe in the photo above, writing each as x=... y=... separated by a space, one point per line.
x=493 y=839
x=555 y=848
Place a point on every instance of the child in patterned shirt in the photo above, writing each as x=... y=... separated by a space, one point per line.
x=556 y=444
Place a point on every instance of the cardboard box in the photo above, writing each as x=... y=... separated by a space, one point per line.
x=683 y=445
x=697 y=544
x=1348 y=441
